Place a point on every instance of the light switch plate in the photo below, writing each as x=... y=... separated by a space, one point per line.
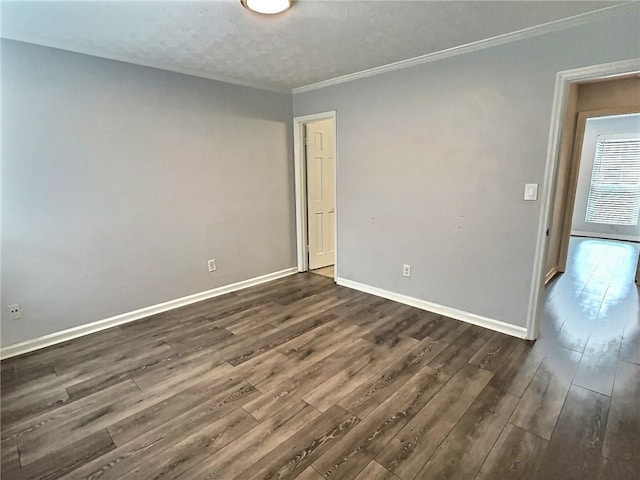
x=531 y=191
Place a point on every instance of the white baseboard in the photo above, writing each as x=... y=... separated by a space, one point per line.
x=82 y=330
x=461 y=315
x=605 y=236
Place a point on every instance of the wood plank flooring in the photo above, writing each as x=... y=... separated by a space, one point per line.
x=302 y=379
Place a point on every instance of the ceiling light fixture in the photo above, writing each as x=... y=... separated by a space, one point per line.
x=267 y=7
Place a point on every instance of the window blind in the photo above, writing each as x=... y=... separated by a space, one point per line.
x=614 y=194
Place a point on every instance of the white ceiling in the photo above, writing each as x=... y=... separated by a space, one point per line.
x=312 y=42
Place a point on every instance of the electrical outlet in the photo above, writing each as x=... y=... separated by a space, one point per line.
x=406 y=270
x=212 y=265
x=14 y=312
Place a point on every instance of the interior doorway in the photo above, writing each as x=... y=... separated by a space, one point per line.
x=600 y=83
x=315 y=175
x=591 y=303
x=589 y=307
x=585 y=101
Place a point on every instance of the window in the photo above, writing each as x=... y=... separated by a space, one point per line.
x=614 y=194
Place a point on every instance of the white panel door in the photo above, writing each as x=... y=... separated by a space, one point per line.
x=320 y=193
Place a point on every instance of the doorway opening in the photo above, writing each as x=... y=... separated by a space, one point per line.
x=315 y=182
x=591 y=305
x=588 y=264
x=590 y=301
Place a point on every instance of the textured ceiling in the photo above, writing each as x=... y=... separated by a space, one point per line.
x=314 y=41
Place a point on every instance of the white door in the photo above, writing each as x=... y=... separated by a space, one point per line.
x=320 y=192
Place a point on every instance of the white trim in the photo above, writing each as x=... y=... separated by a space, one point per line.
x=605 y=236
x=93 y=327
x=563 y=81
x=301 y=188
x=70 y=47
x=525 y=33
x=461 y=315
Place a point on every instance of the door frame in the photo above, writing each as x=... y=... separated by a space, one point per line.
x=300 y=174
x=564 y=80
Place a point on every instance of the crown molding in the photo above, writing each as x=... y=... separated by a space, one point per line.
x=69 y=47
x=525 y=33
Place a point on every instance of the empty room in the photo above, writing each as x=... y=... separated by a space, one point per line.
x=300 y=239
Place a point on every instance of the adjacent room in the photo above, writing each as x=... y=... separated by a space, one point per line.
x=312 y=239
x=591 y=301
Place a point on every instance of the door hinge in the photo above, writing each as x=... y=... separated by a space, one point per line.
x=306 y=141
x=307 y=247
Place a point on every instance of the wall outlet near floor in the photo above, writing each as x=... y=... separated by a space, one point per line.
x=212 y=265
x=14 y=311
x=406 y=270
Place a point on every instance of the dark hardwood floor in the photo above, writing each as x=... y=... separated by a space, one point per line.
x=303 y=379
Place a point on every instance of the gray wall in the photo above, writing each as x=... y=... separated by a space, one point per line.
x=595 y=127
x=119 y=182
x=432 y=162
